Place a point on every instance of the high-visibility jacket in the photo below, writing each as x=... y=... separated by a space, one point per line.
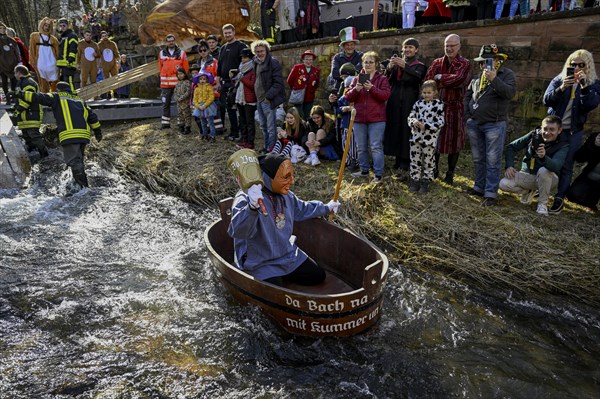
x=73 y=117
x=29 y=116
x=169 y=64
x=67 y=54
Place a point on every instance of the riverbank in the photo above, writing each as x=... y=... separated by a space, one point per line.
x=507 y=247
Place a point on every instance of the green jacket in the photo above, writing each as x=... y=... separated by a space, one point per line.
x=556 y=153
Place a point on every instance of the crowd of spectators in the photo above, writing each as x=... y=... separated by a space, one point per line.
x=413 y=112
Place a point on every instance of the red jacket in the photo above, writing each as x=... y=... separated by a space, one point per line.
x=248 y=81
x=299 y=78
x=169 y=65
x=370 y=105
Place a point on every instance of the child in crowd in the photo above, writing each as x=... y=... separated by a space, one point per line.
x=206 y=109
x=245 y=98
x=194 y=71
x=182 y=94
x=425 y=120
x=343 y=109
x=291 y=134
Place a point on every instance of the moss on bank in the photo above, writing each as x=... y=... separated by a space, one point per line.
x=508 y=246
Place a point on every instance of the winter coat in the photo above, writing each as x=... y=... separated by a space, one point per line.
x=272 y=81
x=556 y=153
x=29 y=115
x=493 y=101
x=370 y=105
x=169 y=64
x=334 y=81
x=300 y=78
x=203 y=95
x=586 y=99
x=9 y=55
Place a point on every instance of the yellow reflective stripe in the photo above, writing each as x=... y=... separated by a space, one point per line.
x=66 y=113
x=24 y=103
x=29 y=124
x=74 y=134
x=28 y=96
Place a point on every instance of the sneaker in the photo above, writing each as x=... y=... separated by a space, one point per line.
x=211 y=139
x=360 y=173
x=542 y=209
x=315 y=161
x=557 y=206
x=527 y=197
x=308 y=161
x=488 y=201
x=163 y=127
x=474 y=192
x=377 y=179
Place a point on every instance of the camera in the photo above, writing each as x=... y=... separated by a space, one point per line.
x=536 y=140
x=363 y=78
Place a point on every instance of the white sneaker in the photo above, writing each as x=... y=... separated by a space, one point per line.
x=315 y=161
x=542 y=209
x=308 y=161
x=527 y=197
x=376 y=179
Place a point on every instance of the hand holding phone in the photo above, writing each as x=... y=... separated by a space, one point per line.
x=489 y=64
x=570 y=72
x=363 y=78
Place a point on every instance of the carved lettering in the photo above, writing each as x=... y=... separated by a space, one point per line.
x=300 y=324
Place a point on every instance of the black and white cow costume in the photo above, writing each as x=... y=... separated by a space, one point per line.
x=423 y=142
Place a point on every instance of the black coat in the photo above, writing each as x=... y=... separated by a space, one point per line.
x=272 y=80
x=405 y=92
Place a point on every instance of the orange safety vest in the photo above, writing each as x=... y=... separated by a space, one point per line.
x=169 y=64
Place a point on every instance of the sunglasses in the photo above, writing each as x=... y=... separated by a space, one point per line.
x=203 y=50
x=578 y=64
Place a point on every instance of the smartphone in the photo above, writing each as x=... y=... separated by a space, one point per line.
x=362 y=78
x=570 y=72
x=489 y=64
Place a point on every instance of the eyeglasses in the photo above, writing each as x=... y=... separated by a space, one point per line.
x=578 y=64
x=368 y=62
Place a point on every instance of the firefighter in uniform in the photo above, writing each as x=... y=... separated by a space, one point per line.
x=29 y=116
x=67 y=54
x=73 y=120
x=170 y=59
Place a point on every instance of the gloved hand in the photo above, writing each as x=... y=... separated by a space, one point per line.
x=98 y=134
x=302 y=13
x=333 y=206
x=255 y=194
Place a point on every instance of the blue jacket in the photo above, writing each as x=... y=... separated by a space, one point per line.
x=261 y=249
x=586 y=100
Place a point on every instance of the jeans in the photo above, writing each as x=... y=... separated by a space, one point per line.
x=514 y=4
x=487 y=143
x=566 y=172
x=370 y=135
x=408 y=14
x=268 y=123
x=208 y=126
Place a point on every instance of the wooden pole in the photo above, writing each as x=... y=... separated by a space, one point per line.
x=375 y=14
x=343 y=165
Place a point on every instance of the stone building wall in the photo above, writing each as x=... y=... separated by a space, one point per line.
x=537 y=46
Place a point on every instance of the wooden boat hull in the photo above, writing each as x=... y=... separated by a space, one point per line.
x=348 y=301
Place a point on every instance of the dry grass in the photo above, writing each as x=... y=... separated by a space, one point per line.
x=446 y=231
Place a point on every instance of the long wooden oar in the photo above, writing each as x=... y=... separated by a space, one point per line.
x=343 y=165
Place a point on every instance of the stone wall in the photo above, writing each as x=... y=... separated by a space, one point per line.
x=537 y=46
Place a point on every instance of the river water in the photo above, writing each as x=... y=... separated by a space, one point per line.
x=109 y=293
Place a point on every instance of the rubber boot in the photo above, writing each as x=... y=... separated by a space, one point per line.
x=79 y=175
x=414 y=186
x=424 y=187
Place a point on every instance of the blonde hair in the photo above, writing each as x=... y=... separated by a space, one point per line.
x=590 y=68
x=296 y=128
x=430 y=84
x=371 y=54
